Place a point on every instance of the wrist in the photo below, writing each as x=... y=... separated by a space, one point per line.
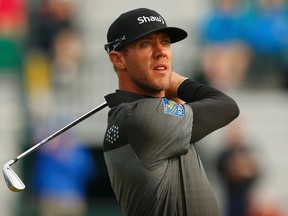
x=176 y=81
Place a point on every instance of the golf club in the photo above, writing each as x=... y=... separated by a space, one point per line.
x=13 y=182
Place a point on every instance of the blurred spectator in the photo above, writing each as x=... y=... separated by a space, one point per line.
x=67 y=51
x=224 y=22
x=54 y=57
x=225 y=57
x=238 y=170
x=13 y=16
x=264 y=204
x=266 y=30
x=65 y=66
x=50 y=17
x=225 y=65
x=13 y=26
x=62 y=170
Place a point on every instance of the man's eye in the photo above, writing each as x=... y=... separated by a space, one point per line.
x=146 y=43
x=166 y=41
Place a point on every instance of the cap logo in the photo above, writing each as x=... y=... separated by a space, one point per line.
x=144 y=19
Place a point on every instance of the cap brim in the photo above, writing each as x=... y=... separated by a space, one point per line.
x=175 y=34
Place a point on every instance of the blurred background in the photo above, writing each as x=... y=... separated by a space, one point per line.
x=53 y=69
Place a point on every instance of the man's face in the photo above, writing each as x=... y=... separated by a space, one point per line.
x=148 y=63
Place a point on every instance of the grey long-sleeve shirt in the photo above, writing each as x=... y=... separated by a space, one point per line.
x=150 y=153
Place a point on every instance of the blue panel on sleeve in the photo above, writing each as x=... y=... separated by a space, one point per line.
x=172 y=108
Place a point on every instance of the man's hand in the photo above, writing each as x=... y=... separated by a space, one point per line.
x=171 y=92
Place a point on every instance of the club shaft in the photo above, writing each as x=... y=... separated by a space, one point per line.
x=57 y=133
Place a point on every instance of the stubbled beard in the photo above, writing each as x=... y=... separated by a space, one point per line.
x=150 y=87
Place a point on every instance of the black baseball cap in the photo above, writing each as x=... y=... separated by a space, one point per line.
x=135 y=24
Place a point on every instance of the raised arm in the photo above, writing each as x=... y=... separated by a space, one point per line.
x=212 y=109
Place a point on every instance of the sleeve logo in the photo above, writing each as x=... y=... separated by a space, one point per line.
x=112 y=134
x=172 y=108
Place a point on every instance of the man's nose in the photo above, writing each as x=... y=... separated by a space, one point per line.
x=159 y=50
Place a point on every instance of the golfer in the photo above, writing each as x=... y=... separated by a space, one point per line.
x=150 y=142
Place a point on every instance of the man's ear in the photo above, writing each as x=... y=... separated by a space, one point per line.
x=117 y=59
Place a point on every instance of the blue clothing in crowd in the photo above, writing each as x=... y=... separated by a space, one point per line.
x=64 y=172
x=267 y=30
x=223 y=26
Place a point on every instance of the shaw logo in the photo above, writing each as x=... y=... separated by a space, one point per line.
x=144 y=19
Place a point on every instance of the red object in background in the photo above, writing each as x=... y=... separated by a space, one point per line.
x=13 y=14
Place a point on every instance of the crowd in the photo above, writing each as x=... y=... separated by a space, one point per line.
x=245 y=44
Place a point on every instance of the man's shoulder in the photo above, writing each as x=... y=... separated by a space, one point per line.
x=120 y=97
